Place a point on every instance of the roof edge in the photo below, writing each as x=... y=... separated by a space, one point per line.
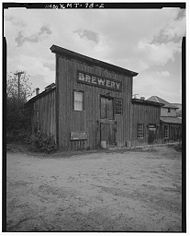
x=146 y=102
x=45 y=92
x=161 y=100
x=60 y=50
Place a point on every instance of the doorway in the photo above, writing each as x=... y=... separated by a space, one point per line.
x=107 y=123
x=151 y=134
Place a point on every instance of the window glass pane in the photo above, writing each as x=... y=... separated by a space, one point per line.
x=78 y=96
x=78 y=106
x=78 y=101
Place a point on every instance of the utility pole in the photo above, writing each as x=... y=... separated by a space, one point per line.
x=19 y=75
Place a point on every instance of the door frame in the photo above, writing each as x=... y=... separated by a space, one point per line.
x=111 y=122
x=153 y=131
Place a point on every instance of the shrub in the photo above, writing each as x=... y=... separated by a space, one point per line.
x=42 y=142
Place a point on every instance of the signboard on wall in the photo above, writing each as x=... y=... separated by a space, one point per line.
x=78 y=135
x=101 y=82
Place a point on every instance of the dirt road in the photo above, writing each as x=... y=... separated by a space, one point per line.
x=131 y=191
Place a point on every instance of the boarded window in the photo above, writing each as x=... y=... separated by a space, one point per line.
x=118 y=106
x=140 y=130
x=106 y=108
x=78 y=101
x=166 y=131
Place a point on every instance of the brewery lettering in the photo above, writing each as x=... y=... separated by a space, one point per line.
x=100 y=82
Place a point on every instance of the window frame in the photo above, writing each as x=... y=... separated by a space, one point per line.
x=143 y=131
x=78 y=91
x=166 y=126
x=116 y=108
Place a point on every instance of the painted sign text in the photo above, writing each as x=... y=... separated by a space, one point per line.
x=99 y=81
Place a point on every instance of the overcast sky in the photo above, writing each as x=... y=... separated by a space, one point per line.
x=145 y=41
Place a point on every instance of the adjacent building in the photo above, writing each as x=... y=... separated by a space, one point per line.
x=42 y=109
x=145 y=122
x=170 y=123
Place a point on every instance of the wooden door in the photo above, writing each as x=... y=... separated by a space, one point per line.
x=107 y=128
x=151 y=134
x=107 y=131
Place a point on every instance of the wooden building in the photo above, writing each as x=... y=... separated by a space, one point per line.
x=43 y=112
x=171 y=129
x=90 y=106
x=93 y=102
x=170 y=123
x=146 y=122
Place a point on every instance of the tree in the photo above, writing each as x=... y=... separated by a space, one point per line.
x=19 y=86
x=18 y=90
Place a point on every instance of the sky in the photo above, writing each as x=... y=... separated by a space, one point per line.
x=147 y=41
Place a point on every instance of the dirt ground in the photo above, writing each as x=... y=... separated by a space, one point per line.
x=130 y=191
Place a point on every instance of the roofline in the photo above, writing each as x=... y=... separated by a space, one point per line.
x=166 y=104
x=171 y=122
x=167 y=122
x=62 y=51
x=42 y=94
x=146 y=102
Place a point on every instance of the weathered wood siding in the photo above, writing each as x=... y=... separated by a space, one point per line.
x=88 y=120
x=146 y=115
x=44 y=116
x=175 y=132
x=164 y=112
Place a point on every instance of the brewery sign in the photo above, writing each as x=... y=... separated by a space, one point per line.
x=99 y=81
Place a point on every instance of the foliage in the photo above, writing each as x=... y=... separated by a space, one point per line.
x=17 y=119
x=24 y=87
x=42 y=142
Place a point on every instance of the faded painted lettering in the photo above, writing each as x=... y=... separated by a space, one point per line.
x=117 y=85
x=101 y=81
x=98 y=81
x=94 y=81
x=81 y=76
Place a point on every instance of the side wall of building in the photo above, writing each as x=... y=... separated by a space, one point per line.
x=170 y=132
x=170 y=112
x=44 y=117
x=88 y=120
x=148 y=116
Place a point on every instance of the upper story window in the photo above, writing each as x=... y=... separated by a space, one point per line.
x=78 y=101
x=169 y=110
